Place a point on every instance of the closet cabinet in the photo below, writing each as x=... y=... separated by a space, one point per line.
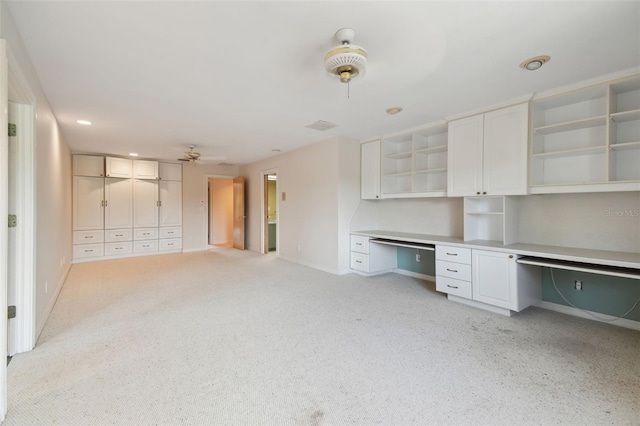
x=88 y=203
x=487 y=153
x=118 y=203
x=145 y=169
x=145 y=204
x=370 y=170
x=88 y=165
x=170 y=232
x=118 y=167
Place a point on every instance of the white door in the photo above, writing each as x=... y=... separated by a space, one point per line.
x=88 y=203
x=370 y=170
x=494 y=278
x=170 y=203
x=464 y=171
x=506 y=133
x=12 y=266
x=88 y=165
x=4 y=202
x=145 y=169
x=170 y=171
x=145 y=203
x=118 y=203
x=118 y=167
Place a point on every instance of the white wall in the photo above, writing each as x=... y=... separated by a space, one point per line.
x=220 y=211
x=308 y=220
x=53 y=197
x=195 y=200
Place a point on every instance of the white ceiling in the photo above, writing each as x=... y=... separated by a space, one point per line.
x=239 y=78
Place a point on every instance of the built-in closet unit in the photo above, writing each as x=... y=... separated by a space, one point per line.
x=124 y=207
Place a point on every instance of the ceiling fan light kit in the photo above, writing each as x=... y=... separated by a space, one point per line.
x=346 y=60
x=190 y=155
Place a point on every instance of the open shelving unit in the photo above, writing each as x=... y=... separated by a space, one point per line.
x=587 y=140
x=491 y=219
x=415 y=164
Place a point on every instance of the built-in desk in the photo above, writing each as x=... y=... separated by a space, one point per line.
x=488 y=274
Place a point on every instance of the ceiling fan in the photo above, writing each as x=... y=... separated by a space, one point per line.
x=193 y=156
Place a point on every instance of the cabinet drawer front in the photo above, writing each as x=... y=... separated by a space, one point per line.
x=453 y=286
x=145 y=234
x=171 y=232
x=458 y=271
x=171 y=244
x=113 y=235
x=360 y=262
x=142 y=246
x=112 y=249
x=88 y=237
x=360 y=244
x=88 y=250
x=453 y=254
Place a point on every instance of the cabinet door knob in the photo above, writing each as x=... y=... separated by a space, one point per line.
x=510 y=256
x=478 y=193
x=484 y=193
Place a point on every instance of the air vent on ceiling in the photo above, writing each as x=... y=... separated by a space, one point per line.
x=321 y=125
x=225 y=164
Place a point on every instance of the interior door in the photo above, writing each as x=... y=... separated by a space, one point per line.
x=238 y=213
x=12 y=267
x=265 y=218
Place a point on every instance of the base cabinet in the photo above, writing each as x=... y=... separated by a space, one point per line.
x=371 y=258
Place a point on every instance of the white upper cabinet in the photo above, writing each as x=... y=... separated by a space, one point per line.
x=370 y=170
x=88 y=203
x=118 y=203
x=487 y=153
x=145 y=169
x=118 y=167
x=88 y=165
x=170 y=203
x=170 y=171
x=145 y=204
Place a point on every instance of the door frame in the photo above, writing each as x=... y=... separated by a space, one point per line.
x=263 y=211
x=205 y=213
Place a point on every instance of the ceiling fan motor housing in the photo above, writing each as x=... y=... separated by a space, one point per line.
x=347 y=60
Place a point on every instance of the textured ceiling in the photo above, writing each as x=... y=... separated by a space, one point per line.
x=239 y=78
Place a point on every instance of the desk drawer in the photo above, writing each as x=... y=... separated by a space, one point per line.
x=360 y=261
x=144 y=246
x=114 y=249
x=360 y=244
x=171 y=232
x=453 y=254
x=84 y=251
x=171 y=244
x=453 y=286
x=114 y=235
x=145 y=234
x=457 y=271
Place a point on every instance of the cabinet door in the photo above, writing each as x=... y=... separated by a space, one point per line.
x=118 y=206
x=145 y=203
x=88 y=200
x=118 y=167
x=370 y=170
x=505 y=151
x=464 y=174
x=170 y=203
x=170 y=171
x=88 y=165
x=145 y=169
x=494 y=278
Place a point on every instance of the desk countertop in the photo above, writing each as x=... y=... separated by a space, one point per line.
x=596 y=257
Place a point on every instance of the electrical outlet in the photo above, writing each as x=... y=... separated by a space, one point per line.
x=578 y=285
x=417 y=257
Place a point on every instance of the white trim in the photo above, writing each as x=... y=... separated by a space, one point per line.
x=18 y=87
x=205 y=213
x=4 y=200
x=563 y=309
x=263 y=214
x=54 y=299
x=193 y=250
x=587 y=83
x=480 y=305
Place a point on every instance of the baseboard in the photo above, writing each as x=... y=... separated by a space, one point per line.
x=415 y=275
x=569 y=310
x=194 y=250
x=480 y=305
x=40 y=325
x=310 y=265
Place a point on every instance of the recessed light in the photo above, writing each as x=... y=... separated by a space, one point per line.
x=133 y=154
x=534 y=63
x=394 y=110
x=84 y=122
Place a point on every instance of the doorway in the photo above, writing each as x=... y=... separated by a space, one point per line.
x=225 y=212
x=270 y=214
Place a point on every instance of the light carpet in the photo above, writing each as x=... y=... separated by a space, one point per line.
x=236 y=338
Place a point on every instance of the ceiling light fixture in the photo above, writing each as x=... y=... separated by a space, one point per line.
x=346 y=61
x=393 y=110
x=84 y=122
x=133 y=154
x=534 y=63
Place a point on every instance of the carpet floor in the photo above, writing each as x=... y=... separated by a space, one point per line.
x=236 y=338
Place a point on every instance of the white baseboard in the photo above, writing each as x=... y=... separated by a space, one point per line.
x=194 y=250
x=480 y=305
x=569 y=310
x=415 y=275
x=310 y=265
x=47 y=311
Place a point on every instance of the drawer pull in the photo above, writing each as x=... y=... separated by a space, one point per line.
x=358 y=244
x=145 y=246
x=145 y=233
x=119 y=235
x=88 y=251
x=118 y=248
x=88 y=236
x=452 y=254
x=452 y=286
x=452 y=270
x=358 y=261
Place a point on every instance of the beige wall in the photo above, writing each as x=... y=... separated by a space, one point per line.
x=53 y=181
x=309 y=218
x=220 y=211
x=195 y=202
